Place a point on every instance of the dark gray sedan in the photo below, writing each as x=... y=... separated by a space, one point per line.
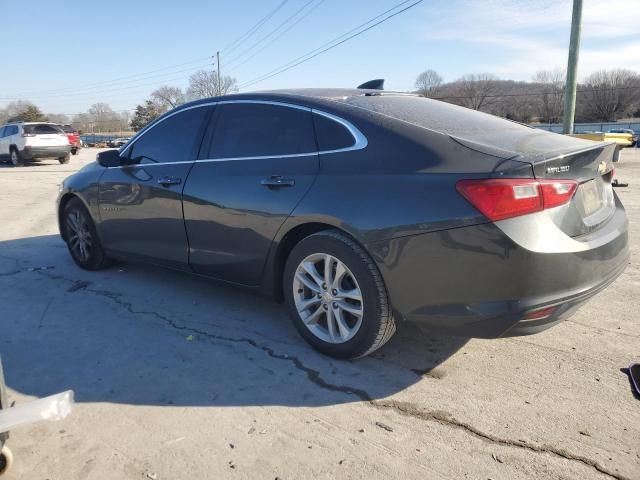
x=360 y=208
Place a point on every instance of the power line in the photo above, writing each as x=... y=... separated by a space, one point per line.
x=309 y=12
x=320 y=50
x=244 y=37
x=104 y=82
x=275 y=30
x=126 y=85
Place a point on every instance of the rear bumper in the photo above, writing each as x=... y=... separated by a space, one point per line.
x=477 y=282
x=54 y=151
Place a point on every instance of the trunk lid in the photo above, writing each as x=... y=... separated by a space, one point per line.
x=42 y=135
x=554 y=156
x=593 y=203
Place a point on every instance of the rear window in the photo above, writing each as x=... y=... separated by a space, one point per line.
x=42 y=129
x=435 y=115
x=331 y=135
x=466 y=124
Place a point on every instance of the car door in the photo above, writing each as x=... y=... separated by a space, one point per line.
x=258 y=161
x=141 y=201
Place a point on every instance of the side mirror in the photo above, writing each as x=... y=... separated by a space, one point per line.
x=109 y=158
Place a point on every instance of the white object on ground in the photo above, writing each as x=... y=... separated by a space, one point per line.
x=54 y=407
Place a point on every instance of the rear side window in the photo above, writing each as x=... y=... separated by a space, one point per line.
x=172 y=140
x=42 y=129
x=256 y=130
x=331 y=135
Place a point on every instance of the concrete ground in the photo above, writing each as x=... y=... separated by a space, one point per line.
x=177 y=377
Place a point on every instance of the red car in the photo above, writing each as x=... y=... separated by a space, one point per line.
x=74 y=138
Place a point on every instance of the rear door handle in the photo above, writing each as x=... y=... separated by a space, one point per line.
x=277 y=181
x=166 y=181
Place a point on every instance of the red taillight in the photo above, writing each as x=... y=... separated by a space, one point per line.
x=556 y=193
x=540 y=313
x=502 y=198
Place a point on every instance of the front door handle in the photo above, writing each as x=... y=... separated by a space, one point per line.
x=277 y=181
x=166 y=181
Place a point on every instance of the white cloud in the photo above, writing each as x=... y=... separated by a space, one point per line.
x=528 y=36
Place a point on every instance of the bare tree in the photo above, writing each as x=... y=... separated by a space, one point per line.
x=204 y=84
x=168 y=97
x=609 y=94
x=428 y=83
x=100 y=118
x=15 y=109
x=58 y=118
x=551 y=88
x=477 y=91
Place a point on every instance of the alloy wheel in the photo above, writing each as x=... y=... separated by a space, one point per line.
x=79 y=235
x=328 y=298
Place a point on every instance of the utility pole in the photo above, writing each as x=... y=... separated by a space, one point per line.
x=219 y=84
x=572 y=69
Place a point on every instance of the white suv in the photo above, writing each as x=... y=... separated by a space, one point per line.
x=21 y=142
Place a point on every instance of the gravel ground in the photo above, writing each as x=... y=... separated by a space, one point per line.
x=178 y=377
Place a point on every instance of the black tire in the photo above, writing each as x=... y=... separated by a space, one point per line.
x=378 y=324
x=74 y=151
x=15 y=158
x=94 y=258
x=64 y=159
x=6 y=460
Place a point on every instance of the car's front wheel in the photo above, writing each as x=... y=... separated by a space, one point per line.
x=82 y=238
x=336 y=296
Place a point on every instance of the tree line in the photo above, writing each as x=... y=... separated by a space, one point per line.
x=101 y=118
x=202 y=84
x=605 y=95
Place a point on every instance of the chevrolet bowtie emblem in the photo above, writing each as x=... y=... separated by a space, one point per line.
x=602 y=167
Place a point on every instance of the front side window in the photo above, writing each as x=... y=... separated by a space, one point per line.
x=172 y=140
x=257 y=130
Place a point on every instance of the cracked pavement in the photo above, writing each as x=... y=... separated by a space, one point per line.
x=179 y=377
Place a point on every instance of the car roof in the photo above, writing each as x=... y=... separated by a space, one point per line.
x=304 y=96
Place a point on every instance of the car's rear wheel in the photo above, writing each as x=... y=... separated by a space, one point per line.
x=6 y=459
x=65 y=158
x=15 y=158
x=336 y=296
x=74 y=151
x=82 y=238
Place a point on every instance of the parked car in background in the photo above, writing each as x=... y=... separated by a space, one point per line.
x=74 y=138
x=118 y=142
x=360 y=209
x=22 y=142
x=634 y=135
x=623 y=139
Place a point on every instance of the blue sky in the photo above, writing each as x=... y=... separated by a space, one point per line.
x=58 y=52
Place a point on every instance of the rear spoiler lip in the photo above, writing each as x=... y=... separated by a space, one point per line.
x=544 y=157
